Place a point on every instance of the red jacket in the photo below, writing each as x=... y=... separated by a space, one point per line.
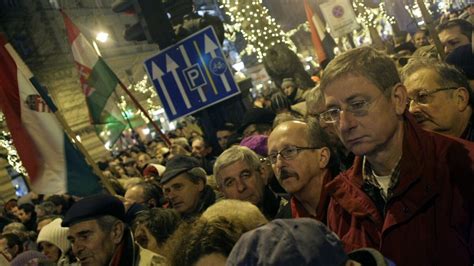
x=429 y=218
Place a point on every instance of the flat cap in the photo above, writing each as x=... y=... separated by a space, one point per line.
x=93 y=207
x=180 y=164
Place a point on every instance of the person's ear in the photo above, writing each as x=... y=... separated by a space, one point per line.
x=399 y=98
x=324 y=156
x=117 y=232
x=461 y=96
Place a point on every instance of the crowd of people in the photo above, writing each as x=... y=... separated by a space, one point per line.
x=373 y=166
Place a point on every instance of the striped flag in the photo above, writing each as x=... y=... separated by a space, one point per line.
x=323 y=42
x=53 y=164
x=98 y=83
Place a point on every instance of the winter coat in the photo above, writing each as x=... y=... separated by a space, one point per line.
x=429 y=218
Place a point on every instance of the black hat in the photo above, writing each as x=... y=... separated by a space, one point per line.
x=257 y=116
x=93 y=207
x=179 y=164
x=463 y=58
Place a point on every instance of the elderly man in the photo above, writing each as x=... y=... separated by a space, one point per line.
x=439 y=97
x=454 y=33
x=409 y=192
x=184 y=185
x=99 y=236
x=300 y=157
x=239 y=175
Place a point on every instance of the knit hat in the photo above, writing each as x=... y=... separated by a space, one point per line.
x=25 y=258
x=302 y=241
x=55 y=234
x=257 y=143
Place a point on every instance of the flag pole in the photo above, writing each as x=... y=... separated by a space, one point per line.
x=138 y=105
x=72 y=136
x=83 y=150
x=431 y=28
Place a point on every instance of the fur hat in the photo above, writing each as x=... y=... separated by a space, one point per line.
x=55 y=234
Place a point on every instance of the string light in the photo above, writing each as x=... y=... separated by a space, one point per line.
x=260 y=30
x=12 y=155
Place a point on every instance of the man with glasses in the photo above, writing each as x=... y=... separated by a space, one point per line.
x=439 y=98
x=301 y=159
x=239 y=175
x=409 y=192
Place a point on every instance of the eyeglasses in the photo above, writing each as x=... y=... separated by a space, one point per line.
x=423 y=96
x=288 y=153
x=357 y=108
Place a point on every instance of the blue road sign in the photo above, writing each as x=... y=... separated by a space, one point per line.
x=191 y=75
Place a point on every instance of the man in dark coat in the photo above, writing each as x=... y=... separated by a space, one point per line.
x=409 y=192
x=99 y=235
x=184 y=185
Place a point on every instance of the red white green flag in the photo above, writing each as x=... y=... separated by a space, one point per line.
x=98 y=83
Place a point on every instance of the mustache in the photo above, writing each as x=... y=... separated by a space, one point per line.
x=420 y=117
x=285 y=173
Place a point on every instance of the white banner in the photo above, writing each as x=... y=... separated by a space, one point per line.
x=340 y=17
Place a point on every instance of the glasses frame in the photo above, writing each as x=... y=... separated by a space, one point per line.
x=350 y=108
x=290 y=156
x=428 y=93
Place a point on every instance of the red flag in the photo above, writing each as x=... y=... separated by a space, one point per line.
x=317 y=43
x=11 y=105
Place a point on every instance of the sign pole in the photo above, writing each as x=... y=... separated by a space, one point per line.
x=431 y=28
x=138 y=105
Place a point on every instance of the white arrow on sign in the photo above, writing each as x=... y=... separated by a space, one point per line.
x=210 y=48
x=157 y=74
x=171 y=66
x=188 y=64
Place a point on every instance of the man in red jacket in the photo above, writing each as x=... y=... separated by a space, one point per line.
x=409 y=192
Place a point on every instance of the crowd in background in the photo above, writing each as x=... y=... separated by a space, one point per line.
x=373 y=166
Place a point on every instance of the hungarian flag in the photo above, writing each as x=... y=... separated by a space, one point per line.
x=323 y=42
x=98 y=83
x=53 y=164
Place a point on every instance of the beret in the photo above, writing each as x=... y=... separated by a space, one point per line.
x=257 y=143
x=93 y=207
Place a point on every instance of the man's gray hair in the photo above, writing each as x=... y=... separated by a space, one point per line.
x=236 y=154
x=366 y=62
x=446 y=75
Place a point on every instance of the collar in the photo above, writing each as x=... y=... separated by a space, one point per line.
x=299 y=211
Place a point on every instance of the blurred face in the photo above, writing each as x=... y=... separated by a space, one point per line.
x=313 y=111
x=288 y=89
x=142 y=160
x=296 y=173
x=145 y=239
x=420 y=39
x=239 y=181
x=90 y=244
x=439 y=111
x=452 y=38
x=373 y=129
x=23 y=216
x=222 y=137
x=134 y=194
x=199 y=148
x=183 y=194
x=51 y=251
